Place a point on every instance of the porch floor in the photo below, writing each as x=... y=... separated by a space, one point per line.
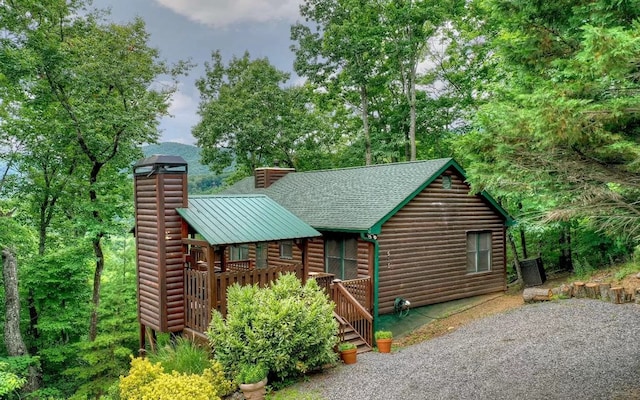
x=401 y=326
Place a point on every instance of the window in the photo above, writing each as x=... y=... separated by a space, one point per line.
x=262 y=251
x=341 y=257
x=239 y=252
x=286 y=249
x=478 y=251
x=446 y=181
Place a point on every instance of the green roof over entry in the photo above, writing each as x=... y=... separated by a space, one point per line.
x=243 y=219
x=354 y=199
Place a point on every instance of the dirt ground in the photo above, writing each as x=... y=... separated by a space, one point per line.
x=500 y=303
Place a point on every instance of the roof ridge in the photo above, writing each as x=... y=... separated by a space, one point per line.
x=447 y=159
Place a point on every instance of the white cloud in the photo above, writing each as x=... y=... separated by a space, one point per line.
x=223 y=13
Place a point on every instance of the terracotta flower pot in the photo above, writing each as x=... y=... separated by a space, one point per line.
x=384 y=345
x=254 y=391
x=349 y=356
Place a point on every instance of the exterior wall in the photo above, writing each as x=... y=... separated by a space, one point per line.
x=422 y=248
x=317 y=259
x=273 y=255
x=159 y=250
x=265 y=177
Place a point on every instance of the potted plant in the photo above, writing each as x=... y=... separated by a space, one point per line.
x=252 y=379
x=348 y=352
x=383 y=341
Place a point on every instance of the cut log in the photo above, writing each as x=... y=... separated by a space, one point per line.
x=566 y=290
x=604 y=291
x=536 y=294
x=592 y=290
x=617 y=295
x=578 y=290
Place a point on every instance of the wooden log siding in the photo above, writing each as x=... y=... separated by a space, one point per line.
x=159 y=251
x=422 y=248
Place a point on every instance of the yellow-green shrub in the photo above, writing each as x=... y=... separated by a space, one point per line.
x=147 y=381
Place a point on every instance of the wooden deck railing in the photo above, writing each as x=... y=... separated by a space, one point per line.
x=205 y=292
x=324 y=280
x=350 y=309
x=360 y=289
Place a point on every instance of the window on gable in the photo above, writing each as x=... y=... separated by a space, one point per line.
x=341 y=258
x=478 y=251
x=446 y=181
x=286 y=249
x=239 y=252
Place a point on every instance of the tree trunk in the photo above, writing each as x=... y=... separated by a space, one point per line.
x=97 y=278
x=364 y=98
x=12 y=336
x=13 y=340
x=565 y=261
x=516 y=260
x=412 y=113
x=535 y=294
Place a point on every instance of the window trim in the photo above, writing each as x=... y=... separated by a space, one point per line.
x=286 y=249
x=477 y=252
x=342 y=246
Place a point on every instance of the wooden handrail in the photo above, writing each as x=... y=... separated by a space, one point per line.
x=350 y=309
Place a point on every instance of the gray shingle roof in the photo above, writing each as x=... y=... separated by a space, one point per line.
x=243 y=219
x=350 y=199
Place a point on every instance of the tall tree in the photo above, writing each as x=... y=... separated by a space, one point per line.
x=96 y=83
x=342 y=54
x=248 y=116
x=562 y=119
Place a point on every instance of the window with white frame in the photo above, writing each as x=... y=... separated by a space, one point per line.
x=286 y=249
x=478 y=251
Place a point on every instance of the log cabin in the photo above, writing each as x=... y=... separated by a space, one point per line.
x=411 y=231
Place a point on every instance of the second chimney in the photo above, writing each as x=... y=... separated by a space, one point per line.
x=265 y=177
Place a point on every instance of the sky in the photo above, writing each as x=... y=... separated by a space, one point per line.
x=192 y=29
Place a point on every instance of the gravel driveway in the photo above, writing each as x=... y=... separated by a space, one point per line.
x=570 y=349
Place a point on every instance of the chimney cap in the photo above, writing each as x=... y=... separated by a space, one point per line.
x=158 y=163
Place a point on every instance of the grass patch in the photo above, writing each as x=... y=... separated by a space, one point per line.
x=627 y=269
x=183 y=356
x=293 y=394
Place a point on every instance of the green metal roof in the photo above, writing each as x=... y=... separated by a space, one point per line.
x=354 y=199
x=243 y=219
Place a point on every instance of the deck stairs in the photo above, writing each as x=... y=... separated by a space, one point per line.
x=349 y=334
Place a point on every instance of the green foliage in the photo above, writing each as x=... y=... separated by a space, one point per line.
x=346 y=346
x=9 y=380
x=287 y=327
x=383 y=335
x=183 y=356
x=149 y=381
x=251 y=373
x=627 y=269
x=293 y=394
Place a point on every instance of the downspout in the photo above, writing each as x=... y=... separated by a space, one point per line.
x=368 y=237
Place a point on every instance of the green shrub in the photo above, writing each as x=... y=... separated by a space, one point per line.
x=183 y=356
x=383 y=335
x=288 y=327
x=9 y=381
x=251 y=373
x=149 y=381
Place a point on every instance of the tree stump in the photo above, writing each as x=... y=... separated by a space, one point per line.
x=637 y=295
x=592 y=290
x=579 y=290
x=617 y=295
x=566 y=290
x=604 y=291
x=535 y=294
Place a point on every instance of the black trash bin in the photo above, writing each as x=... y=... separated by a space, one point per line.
x=532 y=272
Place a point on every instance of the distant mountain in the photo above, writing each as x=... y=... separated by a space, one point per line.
x=191 y=155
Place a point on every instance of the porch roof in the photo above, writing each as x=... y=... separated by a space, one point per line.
x=243 y=219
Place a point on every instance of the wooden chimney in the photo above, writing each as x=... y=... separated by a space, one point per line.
x=160 y=186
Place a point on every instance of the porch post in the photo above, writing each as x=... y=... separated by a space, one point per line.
x=211 y=277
